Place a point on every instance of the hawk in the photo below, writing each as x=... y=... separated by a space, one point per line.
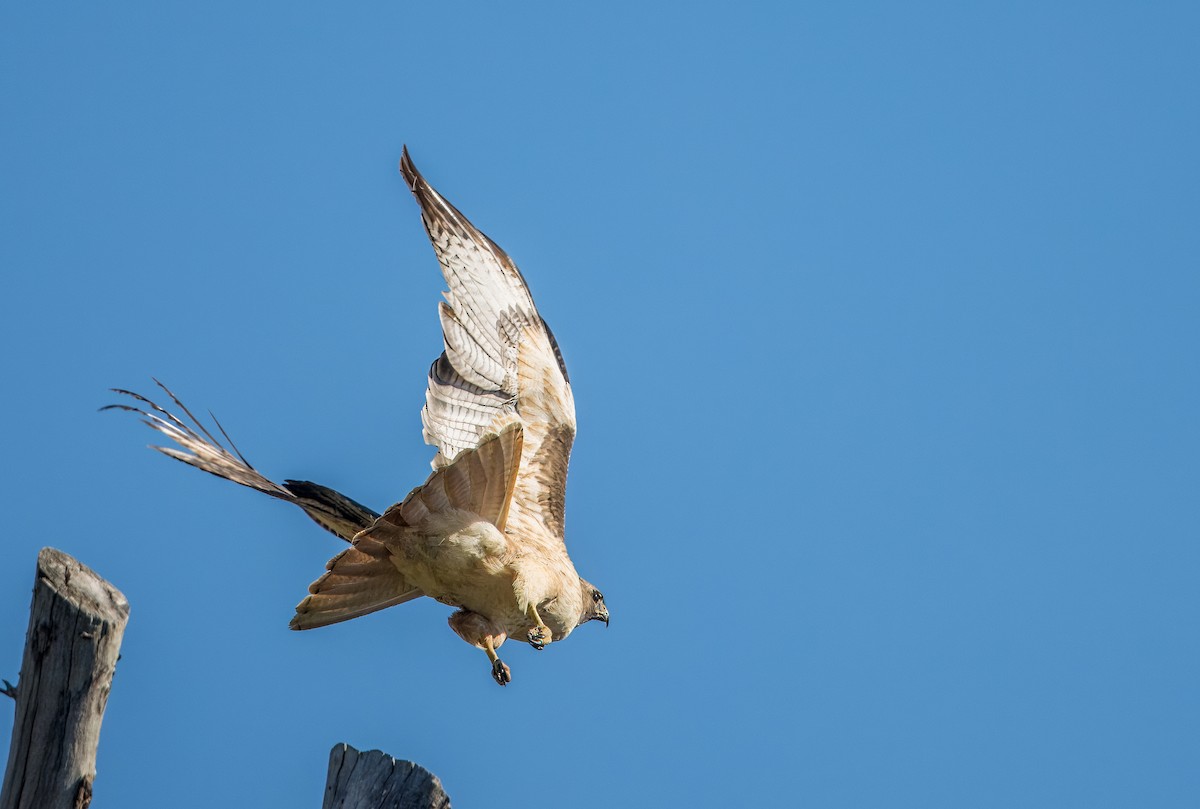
x=484 y=533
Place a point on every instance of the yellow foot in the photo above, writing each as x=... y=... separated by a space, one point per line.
x=539 y=636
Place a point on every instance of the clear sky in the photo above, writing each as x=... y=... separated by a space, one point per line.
x=883 y=326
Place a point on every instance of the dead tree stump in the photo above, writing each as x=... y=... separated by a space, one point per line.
x=75 y=627
x=375 y=780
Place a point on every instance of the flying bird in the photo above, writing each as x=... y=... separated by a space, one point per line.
x=485 y=532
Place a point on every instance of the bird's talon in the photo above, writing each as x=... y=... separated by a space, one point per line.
x=539 y=636
x=501 y=673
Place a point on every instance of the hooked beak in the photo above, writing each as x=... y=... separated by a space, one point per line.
x=604 y=618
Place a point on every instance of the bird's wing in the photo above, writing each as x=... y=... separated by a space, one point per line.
x=198 y=447
x=479 y=480
x=359 y=580
x=362 y=578
x=501 y=364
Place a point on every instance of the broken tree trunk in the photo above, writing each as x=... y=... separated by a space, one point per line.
x=75 y=627
x=375 y=780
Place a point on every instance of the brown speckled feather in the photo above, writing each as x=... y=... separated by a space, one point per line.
x=501 y=364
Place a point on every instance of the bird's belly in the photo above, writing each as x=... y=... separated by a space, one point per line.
x=461 y=562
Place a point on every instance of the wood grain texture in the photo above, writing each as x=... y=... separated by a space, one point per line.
x=76 y=623
x=375 y=780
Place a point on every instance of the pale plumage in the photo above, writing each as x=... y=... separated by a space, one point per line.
x=485 y=532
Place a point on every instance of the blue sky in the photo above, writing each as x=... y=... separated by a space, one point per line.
x=882 y=323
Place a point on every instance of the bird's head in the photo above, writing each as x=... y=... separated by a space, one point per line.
x=594 y=608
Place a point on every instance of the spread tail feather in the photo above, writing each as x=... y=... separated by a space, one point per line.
x=199 y=448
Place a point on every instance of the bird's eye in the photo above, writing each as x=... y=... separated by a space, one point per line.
x=596 y=596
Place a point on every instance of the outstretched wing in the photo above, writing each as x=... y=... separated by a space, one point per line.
x=501 y=364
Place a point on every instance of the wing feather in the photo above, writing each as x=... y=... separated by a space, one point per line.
x=358 y=581
x=501 y=364
x=480 y=480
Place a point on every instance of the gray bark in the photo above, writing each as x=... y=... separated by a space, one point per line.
x=375 y=780
x=75 y=627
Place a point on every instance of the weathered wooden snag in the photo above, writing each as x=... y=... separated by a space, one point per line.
x=76 y=623
x=375 y=780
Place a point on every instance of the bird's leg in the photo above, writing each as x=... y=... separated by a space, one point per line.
x=483 y=634
x=500 y=672
x=527 y=594
x=540 y=634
